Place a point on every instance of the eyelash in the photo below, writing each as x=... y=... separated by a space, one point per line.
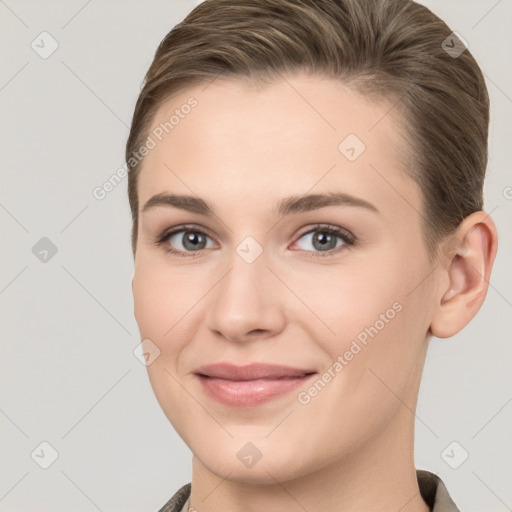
x=347 y=238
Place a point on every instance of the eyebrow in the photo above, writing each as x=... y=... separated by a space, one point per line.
x=287 y=206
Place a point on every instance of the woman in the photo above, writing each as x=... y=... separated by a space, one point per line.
x=306 y=190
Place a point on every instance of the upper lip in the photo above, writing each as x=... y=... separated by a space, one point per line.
x=251 y=371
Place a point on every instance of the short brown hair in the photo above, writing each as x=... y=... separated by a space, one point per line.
x=395 y=49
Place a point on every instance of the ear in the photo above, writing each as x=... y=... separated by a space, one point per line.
x=466 y=259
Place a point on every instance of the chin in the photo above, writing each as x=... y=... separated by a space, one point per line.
x=257 y=475
x=241 y=462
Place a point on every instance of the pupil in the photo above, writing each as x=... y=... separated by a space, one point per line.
x=323 y=239
x=192 y=240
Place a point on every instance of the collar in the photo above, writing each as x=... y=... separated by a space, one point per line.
x=432 y=490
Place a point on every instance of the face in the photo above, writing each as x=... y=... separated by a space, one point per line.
x=301 y=246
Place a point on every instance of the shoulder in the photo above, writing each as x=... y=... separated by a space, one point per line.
x=175 y=504
x=434 y=492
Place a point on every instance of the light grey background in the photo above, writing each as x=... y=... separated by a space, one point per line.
x=68 y=373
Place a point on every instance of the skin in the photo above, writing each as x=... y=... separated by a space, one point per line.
x=243 y=149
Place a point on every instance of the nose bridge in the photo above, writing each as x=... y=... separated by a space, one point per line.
x=243 y=301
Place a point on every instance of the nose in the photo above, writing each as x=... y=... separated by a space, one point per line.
x=246 y=304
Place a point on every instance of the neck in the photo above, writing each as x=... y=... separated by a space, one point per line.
x=379 y=475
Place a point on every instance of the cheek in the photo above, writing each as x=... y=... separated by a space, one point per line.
x=149 y=306
x=167 y=309
x=378 y=321
x=159 y=300
x=371 y=293
x=353 y=304
x=158 y=310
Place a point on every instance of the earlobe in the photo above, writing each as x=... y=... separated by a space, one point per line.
x=467 y=259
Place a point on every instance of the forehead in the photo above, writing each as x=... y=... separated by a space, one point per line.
x=296 y=134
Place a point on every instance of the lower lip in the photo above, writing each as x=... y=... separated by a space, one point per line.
x=249 y=393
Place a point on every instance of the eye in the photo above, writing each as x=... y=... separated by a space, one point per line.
x=188 y=241
x=184 y=240
x=324 y=239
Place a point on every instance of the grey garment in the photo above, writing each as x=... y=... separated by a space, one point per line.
x=179 y=502
x=434 y=492
x=432 y=489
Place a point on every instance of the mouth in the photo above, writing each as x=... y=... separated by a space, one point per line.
x=250 y=385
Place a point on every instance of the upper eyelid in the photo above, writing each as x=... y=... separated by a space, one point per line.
x=316 y=227
x=166 y=233
x=324 y=226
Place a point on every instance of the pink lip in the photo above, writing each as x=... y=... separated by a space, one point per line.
x=250 y=385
